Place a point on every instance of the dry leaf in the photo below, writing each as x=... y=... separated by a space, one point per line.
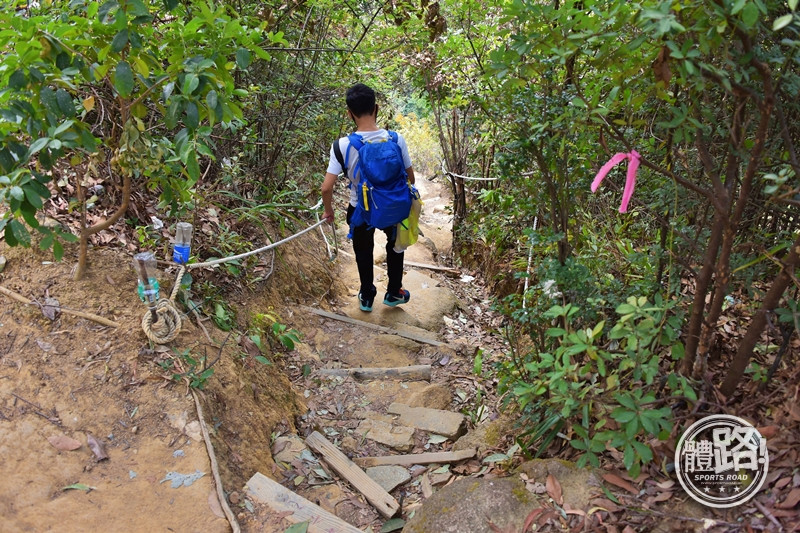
x=605 y=504
x=661 y=66
x=667 y=484
x=213 y=503
x=64 y=443
x=768 y=431
x=554 y=489
x=97 y=448
x=619 y=482
x=51 y=308
x=45 y=346
x=530 y=519
x=661 y=497
x=628 y=529
x=782 y=483
x=791 y=500
x=425 y=485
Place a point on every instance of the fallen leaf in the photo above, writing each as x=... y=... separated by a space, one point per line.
x=782 y=483
x=628 y=529
x=619 y=482
x=425 y=486
x=302 y=527
x=661 y=497
x=51 y=308
x=64 y=443
x=97 y=447
x=554 y=489
x=213 y=503
x=606 y=505
x=667 y=484
x=791 y=500
x=768 y=431
x=45 y=346
x=78 y=486
x=395 y=524
x=530 y=519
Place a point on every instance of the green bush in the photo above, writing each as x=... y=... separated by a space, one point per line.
x=599 y=387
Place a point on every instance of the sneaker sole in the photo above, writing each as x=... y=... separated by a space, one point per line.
x=365 y=308
x=395 y=303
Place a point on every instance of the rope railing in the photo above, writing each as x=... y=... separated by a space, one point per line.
x=164 y=325
x=454 y=175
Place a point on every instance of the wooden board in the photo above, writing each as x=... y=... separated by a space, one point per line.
x=374 y=493
x=416 y=459
x=376 y=327
x=282 y=500
x=431 y=267
x=410 y=373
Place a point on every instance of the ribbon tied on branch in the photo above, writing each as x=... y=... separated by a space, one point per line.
x=630 y=180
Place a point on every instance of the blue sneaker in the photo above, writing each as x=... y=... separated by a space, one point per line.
x=365 y=302
x=400 y=298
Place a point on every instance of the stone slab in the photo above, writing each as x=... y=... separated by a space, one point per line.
x=394 y=436
x=389 y=477
x=446 y=423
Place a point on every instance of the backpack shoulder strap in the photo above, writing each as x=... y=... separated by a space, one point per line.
x=392 y=135
x=337 y=153
x=357 y=142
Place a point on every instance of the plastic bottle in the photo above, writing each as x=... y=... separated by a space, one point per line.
x=145 y=266
x=183 y=243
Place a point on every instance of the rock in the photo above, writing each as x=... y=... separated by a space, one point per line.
x=193 y=430
x=389 y=477
x=3 y=262
x=469 y=504
x=287 y=448
x=395 y=436
x=485 y=436
x=326 y=496
x=433 y=396
x=579 y=485
x=437 y=421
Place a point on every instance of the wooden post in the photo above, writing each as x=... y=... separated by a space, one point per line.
x=374 y=493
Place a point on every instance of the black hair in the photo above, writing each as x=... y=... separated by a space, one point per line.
x=360 y=100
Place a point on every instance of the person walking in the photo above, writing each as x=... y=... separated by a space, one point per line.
x=344 y=158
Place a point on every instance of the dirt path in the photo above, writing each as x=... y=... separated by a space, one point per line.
x=354 y=413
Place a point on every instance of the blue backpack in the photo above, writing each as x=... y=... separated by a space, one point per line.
x=384 y=196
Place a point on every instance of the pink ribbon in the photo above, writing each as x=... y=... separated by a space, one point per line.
x=630 y=179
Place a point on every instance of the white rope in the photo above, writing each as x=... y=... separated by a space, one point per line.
x=528 y=271
x=452 y=174
x=258 y=251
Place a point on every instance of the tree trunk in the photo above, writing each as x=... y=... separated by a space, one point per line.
x=759 y=321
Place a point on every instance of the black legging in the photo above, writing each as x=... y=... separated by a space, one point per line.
x=363 y=245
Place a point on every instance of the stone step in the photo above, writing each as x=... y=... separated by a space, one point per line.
x=446 y=423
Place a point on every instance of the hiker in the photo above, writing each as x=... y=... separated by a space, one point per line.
x=344 y=158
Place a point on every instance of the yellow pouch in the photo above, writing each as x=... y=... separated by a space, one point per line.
x=408 y=229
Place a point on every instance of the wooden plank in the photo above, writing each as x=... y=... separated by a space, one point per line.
x=416 y=459
x=376 y=327
x=410 y=373
x=374 y=493
x=431 y=267
x=282 y=500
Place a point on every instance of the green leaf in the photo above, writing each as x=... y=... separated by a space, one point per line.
x=211 y=99
x=750 y=15
x=782 y=22
x=628 y=457
x=65 y=103
x=496 y=458
x=33 y=198
x=37 y=146
x=123 y=79
x=793 y=4
x=78 y=486
x=737 y=6
x=192 y=166
x=190 y=83
x=263 y=360
x=192 y=115
x=20 y=233
x=243 y=58
x=46 y=242
x=119 y=41
x=58 y=250
x=17 y=80
x=17 y=193
x=301 y=527
x=395 y=524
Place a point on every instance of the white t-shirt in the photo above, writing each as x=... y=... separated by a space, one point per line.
x=344 y=144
